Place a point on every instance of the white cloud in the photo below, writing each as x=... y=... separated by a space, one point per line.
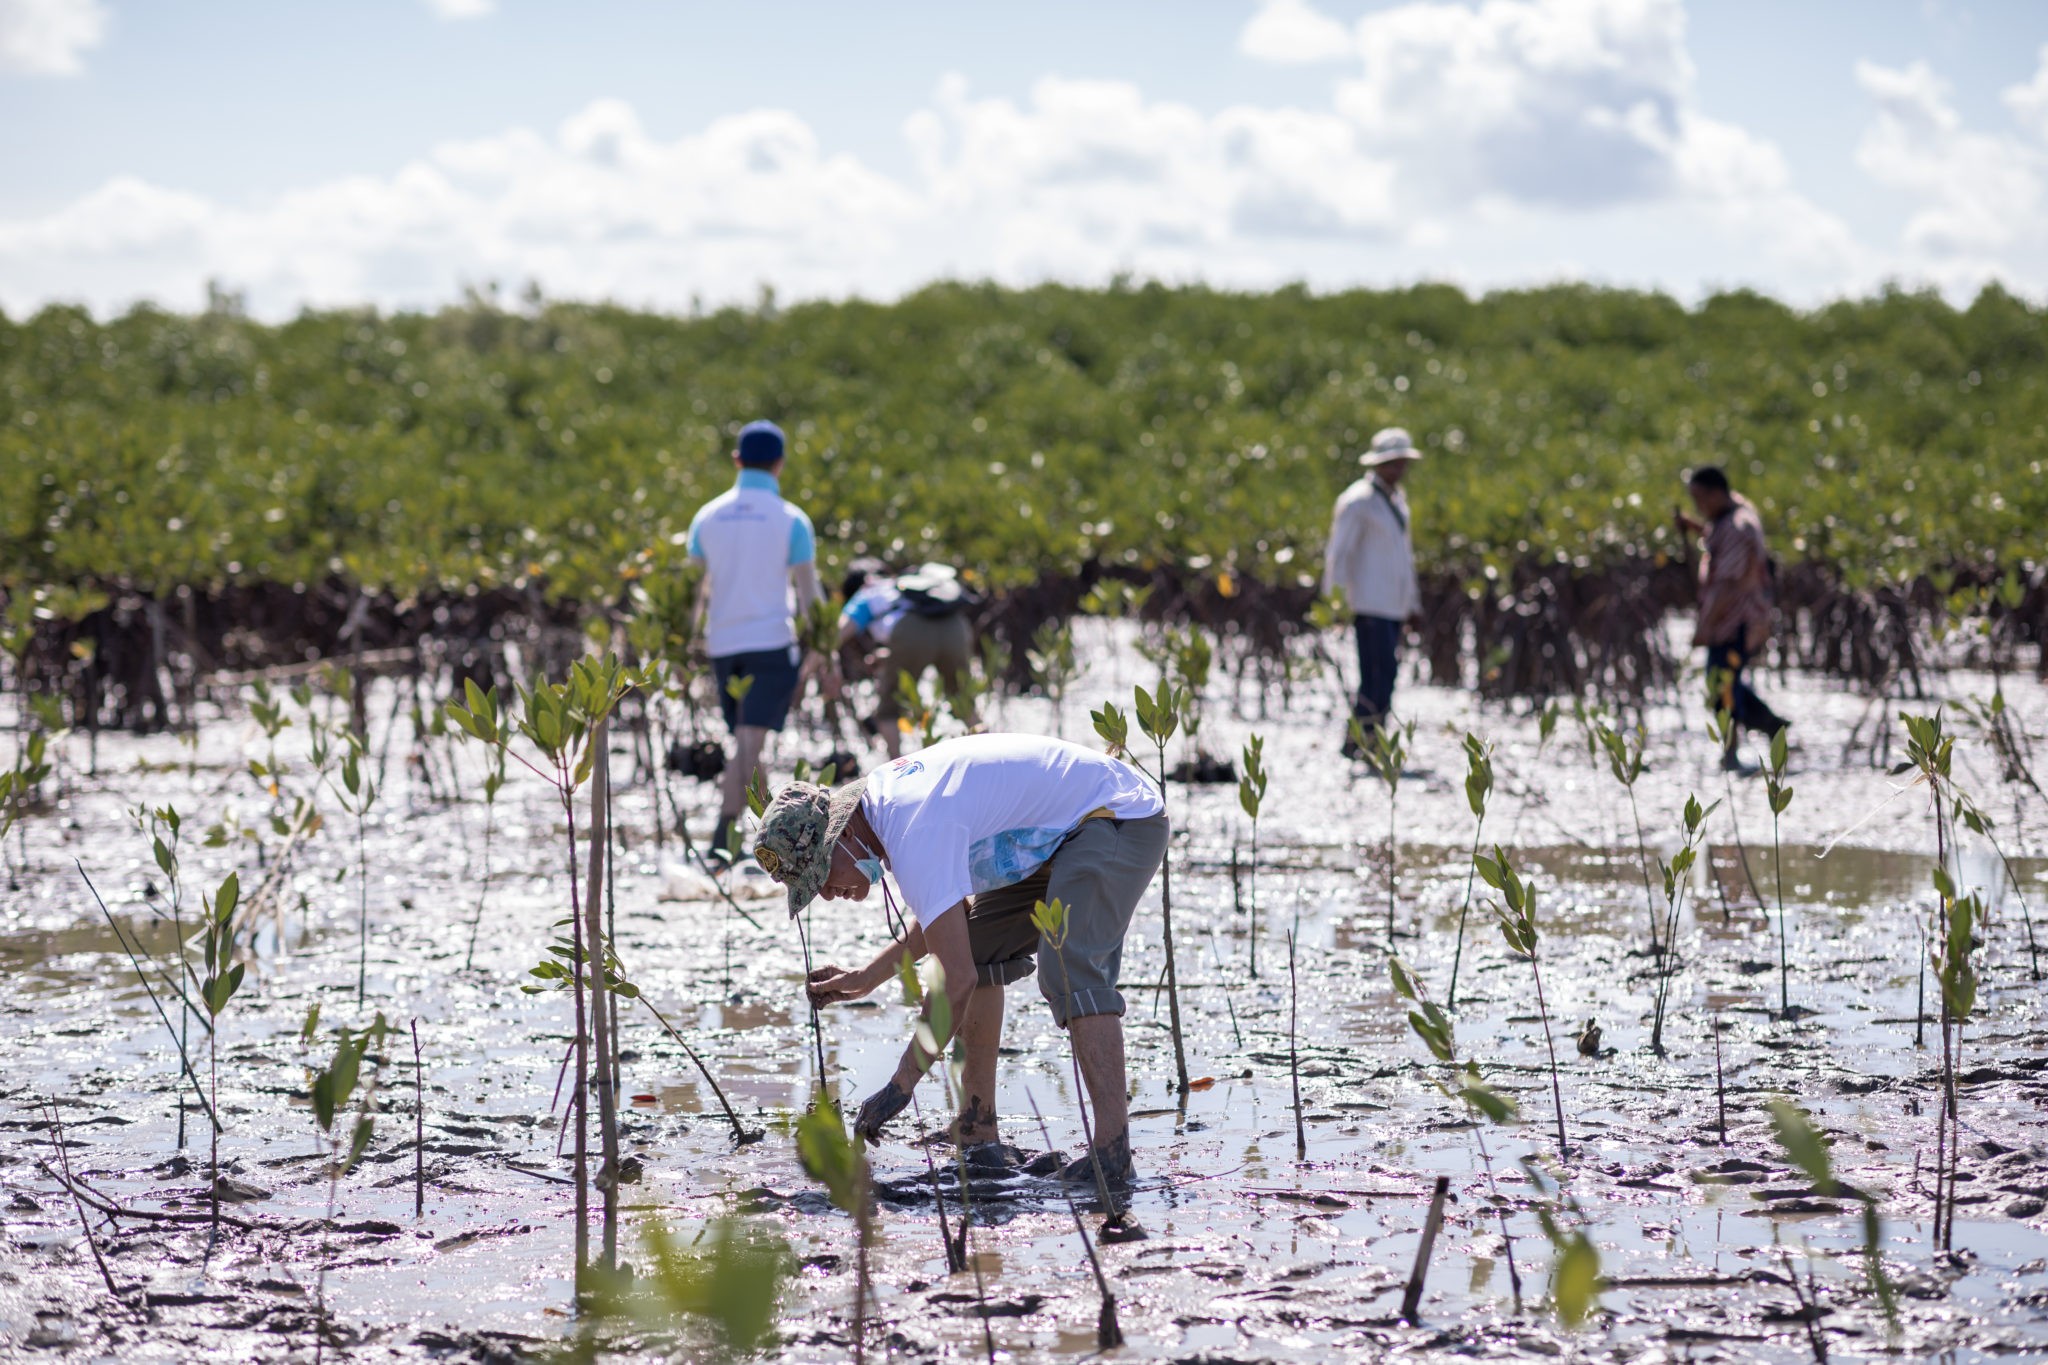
x=2029 y=102
x=1981 y=199
x=462 y=9
x=46 y=37
x=1294 y=32
x=1495 y=145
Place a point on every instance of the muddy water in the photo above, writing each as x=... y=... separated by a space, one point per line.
x=1250 y=1254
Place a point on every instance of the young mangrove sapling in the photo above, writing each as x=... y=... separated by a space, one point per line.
x=1676 y=874
x=1625 y=761
x=1780 y=797
x=223 y=978
x=1251 y=796
x=1517 y=919
x=1478 y=787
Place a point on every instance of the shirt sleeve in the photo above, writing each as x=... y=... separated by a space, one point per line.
x=803 y=542
x=697 y=535
x=1343 y=538
x=860 y=611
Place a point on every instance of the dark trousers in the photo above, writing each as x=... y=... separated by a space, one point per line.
x=1379 y=650
x=1726 y=691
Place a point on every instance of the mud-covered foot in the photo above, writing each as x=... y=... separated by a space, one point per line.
x=1117 y=1168
x=1731 y=762
x=720 y=850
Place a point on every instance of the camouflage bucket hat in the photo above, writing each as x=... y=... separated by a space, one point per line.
x=797 y=833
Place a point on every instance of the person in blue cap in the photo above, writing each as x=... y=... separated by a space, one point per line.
x=760 y=574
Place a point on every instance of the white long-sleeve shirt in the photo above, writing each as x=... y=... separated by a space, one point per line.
x=1371 y=555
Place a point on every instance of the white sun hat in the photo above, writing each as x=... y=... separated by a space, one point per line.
x=1390 y=443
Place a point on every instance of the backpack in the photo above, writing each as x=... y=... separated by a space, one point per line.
x=935 y=590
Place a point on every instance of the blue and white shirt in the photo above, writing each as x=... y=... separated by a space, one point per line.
x=749 y=538
x=876 y=608
x=980 y=812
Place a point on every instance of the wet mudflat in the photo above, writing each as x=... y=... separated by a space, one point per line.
x=1701 y=1224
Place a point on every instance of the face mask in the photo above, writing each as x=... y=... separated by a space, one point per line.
x=870 y=867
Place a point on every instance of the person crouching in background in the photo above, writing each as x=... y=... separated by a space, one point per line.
x=905 y=625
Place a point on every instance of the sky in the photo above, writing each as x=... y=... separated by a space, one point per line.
x=669 y=155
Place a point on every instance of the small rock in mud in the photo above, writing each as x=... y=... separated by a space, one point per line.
x=2024 y=1207
x=23 y=1203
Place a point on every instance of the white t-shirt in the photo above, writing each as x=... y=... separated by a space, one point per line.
x=985 y=811
x=749 y=538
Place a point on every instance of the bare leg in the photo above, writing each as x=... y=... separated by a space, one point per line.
x=981 y=1032
x=748 y=742
x=1098 y=1041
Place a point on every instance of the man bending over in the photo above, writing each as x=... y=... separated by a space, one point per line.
x=975 y=832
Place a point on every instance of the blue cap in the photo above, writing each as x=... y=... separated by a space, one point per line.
x=761 y=445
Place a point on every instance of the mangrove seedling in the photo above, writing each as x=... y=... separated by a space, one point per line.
x=1386 y=753
x=1159 y=716
x=1676 y=874
x=1957 y=977
x=1780 y=797
x=1433 y=1026
x=485 y=704
x=223 y=978
x=564 y=724
x=1932 y=753
x=1575 y=1263
x=330 y=1092
x=1478 y=787
x=1625 y=761
x=1805 y=1148
x=731 y=1279
x=1517 y=917
x=1251 y=796
x=913 y=996
x=358 y=793
x=836 y=1161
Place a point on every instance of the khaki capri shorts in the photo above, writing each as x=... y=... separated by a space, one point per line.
x=945 y=643
x=1100 y=873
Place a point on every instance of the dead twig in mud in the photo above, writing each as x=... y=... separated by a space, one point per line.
x=85 y=1224
x=1411 y=1300
x=184 y=1059
x=1108 y=1333
x=77 y=1186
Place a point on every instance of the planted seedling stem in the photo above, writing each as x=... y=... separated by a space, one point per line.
x=1108 y=1333
x=1294 y=1052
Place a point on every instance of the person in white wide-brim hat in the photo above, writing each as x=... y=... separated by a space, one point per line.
x=1371 y=560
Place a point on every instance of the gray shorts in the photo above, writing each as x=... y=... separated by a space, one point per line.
x=1100 y=873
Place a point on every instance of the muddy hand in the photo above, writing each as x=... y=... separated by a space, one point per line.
x=877 y=1109
x=826 y=985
